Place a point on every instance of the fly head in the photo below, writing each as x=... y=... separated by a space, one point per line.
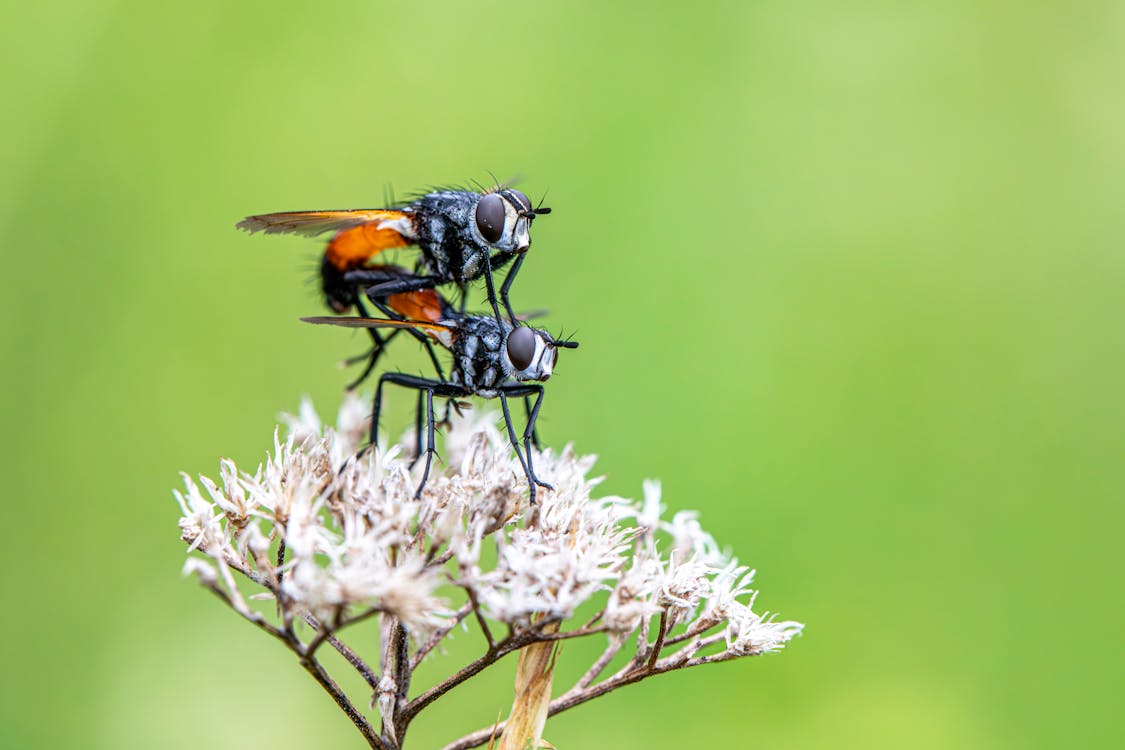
x=530 y=353
x=503 y=219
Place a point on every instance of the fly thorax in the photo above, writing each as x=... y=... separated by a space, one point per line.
x=477 y=352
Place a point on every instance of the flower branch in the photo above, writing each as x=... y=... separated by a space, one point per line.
x=336 y=540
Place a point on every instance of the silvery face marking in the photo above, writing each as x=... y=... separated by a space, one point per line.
x=517 y=204
x=521 y=232
x=529 y=354
x=498 y=220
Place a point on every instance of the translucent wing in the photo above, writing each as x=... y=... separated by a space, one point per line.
x=312 y=223
x=440 y=332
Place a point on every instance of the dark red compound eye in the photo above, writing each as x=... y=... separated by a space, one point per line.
x=490 y=217
x=521 y=347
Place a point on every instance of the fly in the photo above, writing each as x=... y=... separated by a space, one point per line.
x=491 y=359
x=461 y=236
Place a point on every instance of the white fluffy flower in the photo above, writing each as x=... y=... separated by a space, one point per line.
x=333 y=534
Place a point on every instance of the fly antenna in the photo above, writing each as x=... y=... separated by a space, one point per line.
x=565 y=342
x=540 y=210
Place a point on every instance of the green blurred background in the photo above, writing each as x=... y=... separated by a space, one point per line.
x=847 y=276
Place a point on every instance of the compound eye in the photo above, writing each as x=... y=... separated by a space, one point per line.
x=525 y=202
x=521 y=347
x=490 y=217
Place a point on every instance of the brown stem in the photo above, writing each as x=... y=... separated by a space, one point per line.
x=595 y=619
x=364 y=615
x=280 y=557
x=312 y=666
x=576 y=697
x=323 y=633
x=603 y=661
x=579 y=633
x=438 y=635
x=253 y=617
x=534 y=674
x=469 y=670
x=402 y=672
x=661 y=633
x=687 y=635
x=513 y=642
x=480 y=616
x=393 y=667
x=354 y=659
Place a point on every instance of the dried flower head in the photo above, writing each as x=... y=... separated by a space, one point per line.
x=334 y=540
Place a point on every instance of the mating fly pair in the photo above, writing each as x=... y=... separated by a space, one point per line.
x=461 y=236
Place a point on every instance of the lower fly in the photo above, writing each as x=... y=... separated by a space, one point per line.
x=491 y=359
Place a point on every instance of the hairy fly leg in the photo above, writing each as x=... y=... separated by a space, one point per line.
x=430 y=450
x=527 y=390
x=507 y=285
x=382 y=285
x=418 y=335
x=532 y=422
x=379 y=340
x=378 y=343
x=418 y=428
x=426 y=386
x=490 y=287
x=528 y=470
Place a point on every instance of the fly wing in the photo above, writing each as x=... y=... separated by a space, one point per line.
x=312 y=223
x=441 y=333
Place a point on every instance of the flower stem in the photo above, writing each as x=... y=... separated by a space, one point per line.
x=536 y=667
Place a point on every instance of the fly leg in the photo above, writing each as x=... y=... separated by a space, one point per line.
x=527 y=390
x=429 y=388
x=417 y=431
x=491 y=288
x=372 y=358
x=385 y=285
x=378 y=342
x=396 y=283
x=507 y=285
x=529 y=435
x=380 y=303
x=452 y=405
x=532 y=417
x=429 y=441
x=528 y=469
x=376 y=410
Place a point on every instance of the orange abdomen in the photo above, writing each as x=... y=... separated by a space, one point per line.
x=423 y=305
x=353 y=248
